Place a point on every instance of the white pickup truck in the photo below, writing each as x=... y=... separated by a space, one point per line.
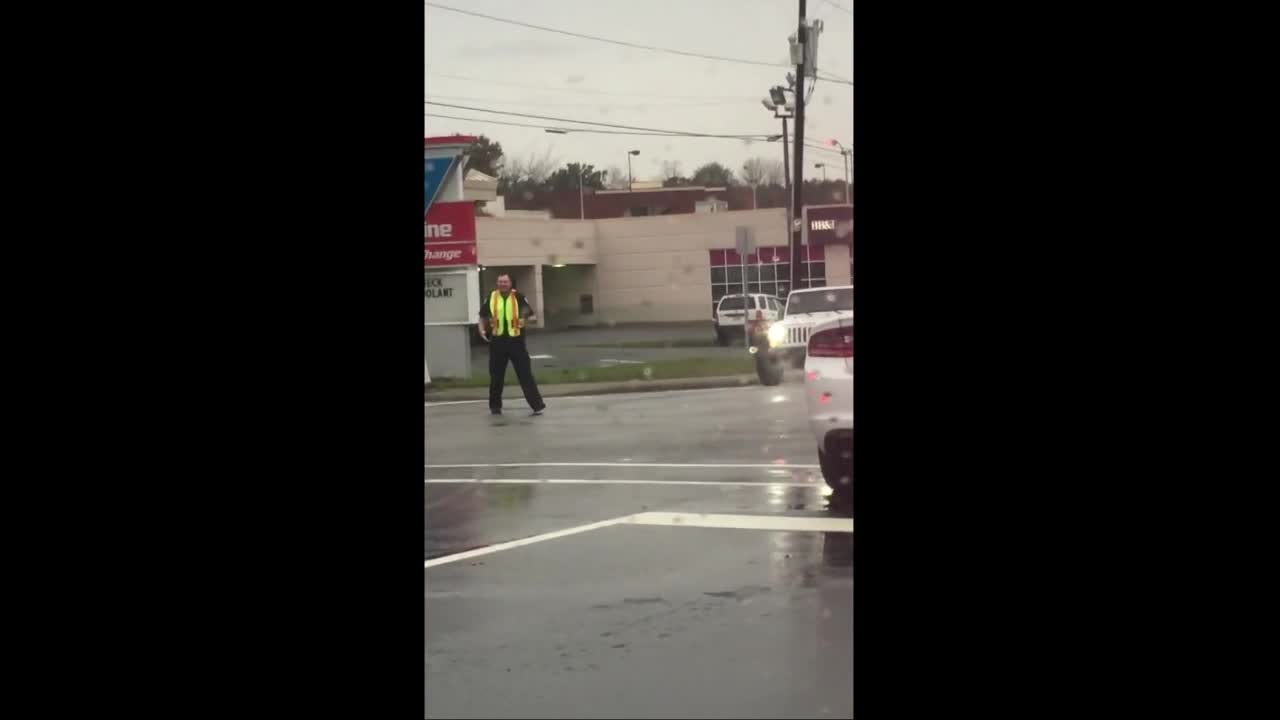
x=789 y=336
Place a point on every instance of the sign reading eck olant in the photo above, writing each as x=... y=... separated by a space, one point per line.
x=446 y=297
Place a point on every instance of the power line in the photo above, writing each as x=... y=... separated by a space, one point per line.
x=840 y=7
x=523 y=103
x=590 y=91
x=589 y=130
x=623 y=43
x=589 y=122
x=823 y=148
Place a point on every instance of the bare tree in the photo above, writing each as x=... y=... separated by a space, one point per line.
x=527 y=174
x=540 y=168
x=670 y=169
x=773 y=173
x=616 y=178
x=754 y=171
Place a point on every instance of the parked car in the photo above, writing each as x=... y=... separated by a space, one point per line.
x=788 y=337
x=760 y=309
x=828 y=394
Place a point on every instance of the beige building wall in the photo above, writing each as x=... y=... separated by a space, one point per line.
x=837 y=258
x=657 y=269
x=647 y=269
x=562 y=291
x=503 y=241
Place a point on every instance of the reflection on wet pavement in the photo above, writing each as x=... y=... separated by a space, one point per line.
x=703 y=616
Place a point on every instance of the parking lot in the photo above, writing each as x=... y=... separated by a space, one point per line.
x=646 y=555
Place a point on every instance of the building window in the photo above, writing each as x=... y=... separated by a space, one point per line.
x=768 y=271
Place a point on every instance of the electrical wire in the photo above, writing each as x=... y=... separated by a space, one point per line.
x=623 y=43
x=589 y=91
x=590 y=122
x=582 y=104
x=591 y=131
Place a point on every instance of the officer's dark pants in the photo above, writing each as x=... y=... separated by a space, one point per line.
x=501 y=349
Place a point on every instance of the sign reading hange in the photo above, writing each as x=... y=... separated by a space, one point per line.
x=445 y=254
x=449 y=235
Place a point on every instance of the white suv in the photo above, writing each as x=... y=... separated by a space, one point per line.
x=789 y=336
x=828 y=395
x=760 y=310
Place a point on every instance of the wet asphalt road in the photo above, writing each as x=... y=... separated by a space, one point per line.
x=649 y=613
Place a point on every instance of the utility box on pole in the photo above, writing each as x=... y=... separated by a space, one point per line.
x=809 y=57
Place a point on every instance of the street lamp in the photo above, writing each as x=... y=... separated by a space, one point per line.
x=582 y=170
x=630 y=182
x=824 y=170
x=846 y=161
x=782 y=109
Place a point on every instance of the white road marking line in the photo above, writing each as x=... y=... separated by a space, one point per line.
x=558 y=398
x=742 y=522
x=456 y=402
x=579 y=481
x=698 y=520
x=776 y=466
x=541 y=357
x=478 y=552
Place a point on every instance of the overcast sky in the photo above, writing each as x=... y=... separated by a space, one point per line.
x=535 y=72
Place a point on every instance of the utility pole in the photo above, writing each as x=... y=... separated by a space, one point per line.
x=797 y=205
x=582 y=212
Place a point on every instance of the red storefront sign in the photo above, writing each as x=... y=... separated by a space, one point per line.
x=829 y=224
x=450 y=222
x=449 y=235
x=445 y=254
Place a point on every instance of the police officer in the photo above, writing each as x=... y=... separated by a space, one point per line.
x=502 y=321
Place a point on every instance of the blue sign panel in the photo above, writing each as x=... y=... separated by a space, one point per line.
x=435 y=170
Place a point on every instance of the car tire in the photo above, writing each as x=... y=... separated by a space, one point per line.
x=768 y=368
x=722 y=339
x=835 y=473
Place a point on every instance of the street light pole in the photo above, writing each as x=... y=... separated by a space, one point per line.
x=846 y=162
x=823 y=166
x=777 y=102
x=582 y=169
x=630 y=181
x=786 y=182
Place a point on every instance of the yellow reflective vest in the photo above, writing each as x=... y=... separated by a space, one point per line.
x=504 y=317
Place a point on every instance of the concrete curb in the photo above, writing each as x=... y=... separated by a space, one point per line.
x=513 y=394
